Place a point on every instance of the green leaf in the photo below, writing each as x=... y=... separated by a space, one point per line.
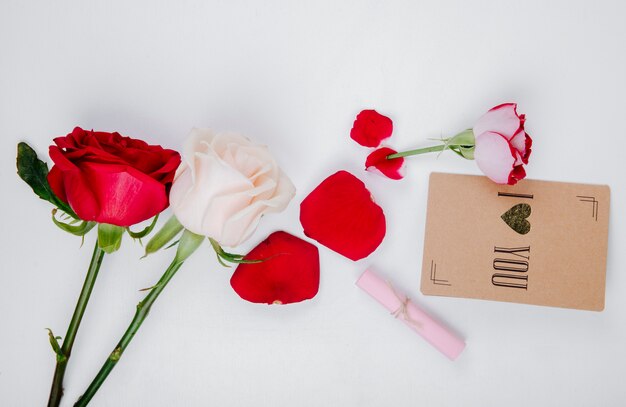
x=174 y=243
x=143 y=233
x=168 y=232
x=110 y=237
x=35 y=173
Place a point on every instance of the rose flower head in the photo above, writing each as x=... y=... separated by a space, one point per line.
x=225 y=185
x=502 y=146
x=108 y=178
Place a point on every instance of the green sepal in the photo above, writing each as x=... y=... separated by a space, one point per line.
x=457 y=152
x=143 y=233
x=466 y=152
x=35 y=173
x=54 y=342
x=188 y=244
x=462 y=144
x=223 y=255
x=80 y=229
x=174 y=243
x=464 y=138
x=110 y=237
x=168 y=232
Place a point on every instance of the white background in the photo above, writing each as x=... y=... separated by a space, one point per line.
x=293 y=75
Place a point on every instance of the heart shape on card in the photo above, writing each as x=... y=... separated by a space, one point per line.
x=516 y=218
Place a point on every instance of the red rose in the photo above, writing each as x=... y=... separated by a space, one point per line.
x=108 y=178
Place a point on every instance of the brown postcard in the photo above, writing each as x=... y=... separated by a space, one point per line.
x=537 y=242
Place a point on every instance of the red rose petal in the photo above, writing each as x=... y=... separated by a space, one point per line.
x=389 y=168
x=69 y=185
x=517 y=173
x=528 y=144
x=125 y=195
x=341 y=214
x=371 y=128
x=290 y=273
x=55 y=180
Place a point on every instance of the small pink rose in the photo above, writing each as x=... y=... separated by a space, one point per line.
x=502 y=145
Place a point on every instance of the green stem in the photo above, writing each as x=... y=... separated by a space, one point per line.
x=143 y=308
x=68 y=342
x=418 y=151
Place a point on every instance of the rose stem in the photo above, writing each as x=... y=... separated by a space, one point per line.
x=418 y=151
x=56 y=391
x=140 y=315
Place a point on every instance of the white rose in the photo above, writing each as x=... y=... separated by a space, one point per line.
x=225 y=184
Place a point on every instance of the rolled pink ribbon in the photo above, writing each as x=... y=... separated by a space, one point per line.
x=417 y=319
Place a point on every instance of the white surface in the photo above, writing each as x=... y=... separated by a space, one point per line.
x=293 y=75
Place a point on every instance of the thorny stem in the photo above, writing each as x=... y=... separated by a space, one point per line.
x=56 y=392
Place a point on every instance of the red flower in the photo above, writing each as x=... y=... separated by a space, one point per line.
x=112 y=179
x=377 y=160
x=371 y=128
x=342 y=215
x=290 y=272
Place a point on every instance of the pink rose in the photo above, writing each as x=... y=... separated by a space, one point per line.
x=502 y=145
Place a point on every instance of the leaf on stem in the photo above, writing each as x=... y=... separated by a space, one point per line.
x=35 y=173
x=54 y=342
